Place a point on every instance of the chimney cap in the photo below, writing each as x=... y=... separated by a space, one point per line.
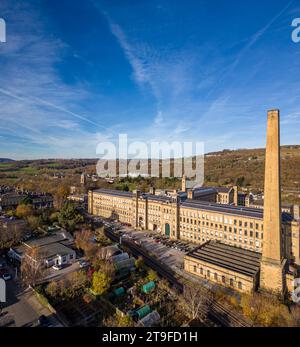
x=275 y=110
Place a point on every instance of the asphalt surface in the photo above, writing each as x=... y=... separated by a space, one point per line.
x=22 y=308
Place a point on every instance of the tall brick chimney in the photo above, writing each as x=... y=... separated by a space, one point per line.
x=272 y=276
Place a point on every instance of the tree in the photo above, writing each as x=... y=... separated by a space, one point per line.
x=105 y=267
x=10 y=236
x=69 y=217
x=100 y=282
x=265 y=310
x=240 y=182
x=119 y=321
x=103 y=253
x=140 y=264
x=60 y=195
x=152 y=275
x=295 y=316
x=27 y=201
x=84 y=241
x=101 y=238
x=52 y=289
x=32 y=266
x=24 y=211
x=196 y=301
x=54 y=217
x=69 y=287
x=33 y=222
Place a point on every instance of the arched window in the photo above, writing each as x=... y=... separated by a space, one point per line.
x=231 y=282
x=240 y=285
x=223 y=279
x=216 y=276
x=208 y=273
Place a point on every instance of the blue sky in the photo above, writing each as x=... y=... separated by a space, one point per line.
x=76 y=73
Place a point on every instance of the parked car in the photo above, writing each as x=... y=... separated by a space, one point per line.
x=6 y=276
x=44 y=321
x=57 y=267
x=83 y=264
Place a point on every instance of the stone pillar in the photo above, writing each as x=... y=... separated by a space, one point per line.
x=90 y=202
x=136 y=197
x=177 y=218
x=272 y=276
x=146 y=214
x=235 y=196
x=296 y=212
x=183 y=184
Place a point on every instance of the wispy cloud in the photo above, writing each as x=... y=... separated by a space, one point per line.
x=37 y=107
x=250 y=43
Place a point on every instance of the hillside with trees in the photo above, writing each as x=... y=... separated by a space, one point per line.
x=243 y=167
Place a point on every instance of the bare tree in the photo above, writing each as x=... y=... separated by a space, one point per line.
x=83 y=241
x=32 y=267
x=196 y=301
x=11 y=235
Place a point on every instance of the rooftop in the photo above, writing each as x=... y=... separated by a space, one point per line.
x=114 y=192
x=232 y=258
x=226 y=209
x=48 y=240
x=55 y=249
x=223 y=189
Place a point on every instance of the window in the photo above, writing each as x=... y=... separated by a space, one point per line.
x=195 y=268
x=240 y=285
x=223 y=279
x=231 y=282
x=216 y=276
x=208 y=273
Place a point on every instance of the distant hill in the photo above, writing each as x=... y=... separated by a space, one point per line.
x=245 y=167
x=6 y=160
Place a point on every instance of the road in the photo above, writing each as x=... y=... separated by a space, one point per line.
x=22 y=308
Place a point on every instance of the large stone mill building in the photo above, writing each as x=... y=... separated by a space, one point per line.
x=239 y=247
